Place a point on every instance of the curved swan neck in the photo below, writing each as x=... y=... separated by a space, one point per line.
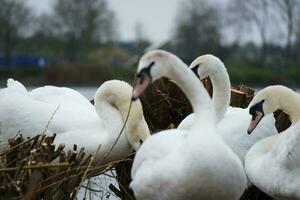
x=289 y=102
x=114 y=98
x=112 y=103
x=192 y=88
x=258 y=151
x=221 y=89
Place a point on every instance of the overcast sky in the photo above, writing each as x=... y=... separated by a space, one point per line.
x=156 y=16
x=157 y=21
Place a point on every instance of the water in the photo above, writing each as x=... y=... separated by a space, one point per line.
x=88 y=92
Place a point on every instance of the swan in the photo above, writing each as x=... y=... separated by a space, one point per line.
x=232 y=122
x=184 y=164
x=273 y=163
x=74 y=119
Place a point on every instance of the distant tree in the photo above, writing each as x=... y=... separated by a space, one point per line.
x=197 y=30
x=141 y=41
x=83 y=23
x=14 y=19
x=297 y=40
x=288 y=11
x=139 y=32
x=253 y=12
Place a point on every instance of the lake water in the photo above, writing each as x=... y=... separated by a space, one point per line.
x=88 y=92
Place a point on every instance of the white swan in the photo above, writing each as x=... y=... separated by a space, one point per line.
x=273 y=164
x=184 y=164
x=232 y=121
x=76 y=120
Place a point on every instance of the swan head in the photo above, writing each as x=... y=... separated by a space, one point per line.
x=138 y=132
x=206 y=65
x=150 y=68
x=264 y=102
x=118 y=94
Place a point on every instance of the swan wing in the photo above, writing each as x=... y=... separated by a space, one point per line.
x=233 y=130
x=19 y=111
x=155 y=148
x=187 y=122
x=61 y=96
x=13 y=85
x=287 y=147
x=156 y=167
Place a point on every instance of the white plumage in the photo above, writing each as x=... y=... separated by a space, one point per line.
x=273 y=163
x=232 y=122
x=184 y=164
x=74 y=119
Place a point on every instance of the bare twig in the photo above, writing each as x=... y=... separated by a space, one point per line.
x=37 y=166
x=92 y=159
x=51 y=118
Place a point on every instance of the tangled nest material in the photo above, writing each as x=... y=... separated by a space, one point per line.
x=32 y=168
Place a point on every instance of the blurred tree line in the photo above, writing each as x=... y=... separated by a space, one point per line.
x=202 y=27
x=80 y=42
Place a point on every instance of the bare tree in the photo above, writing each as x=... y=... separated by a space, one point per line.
x=14 y=19
x=197 y=29
x=257 y=13
x=288 y=10
x=83 y=23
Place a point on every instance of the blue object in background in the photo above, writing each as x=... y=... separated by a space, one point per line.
x=23 y=62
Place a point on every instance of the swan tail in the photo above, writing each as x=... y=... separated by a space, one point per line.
x=15 y=85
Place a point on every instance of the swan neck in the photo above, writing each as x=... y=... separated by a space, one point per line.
x=107 y=107
x=192 y=88
x=221 y=91
x=258 y=151
x=291 y=105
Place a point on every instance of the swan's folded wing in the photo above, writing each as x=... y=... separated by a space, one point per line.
x=61 y=96
x=233 y=130
x=287 y=148
x=13 y=87
x=155 y=148
x=19 y=112
x=187 y=122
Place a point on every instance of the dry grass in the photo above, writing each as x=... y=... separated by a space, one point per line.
x=32 y=168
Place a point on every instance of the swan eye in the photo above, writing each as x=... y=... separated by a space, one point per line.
x=141 y=142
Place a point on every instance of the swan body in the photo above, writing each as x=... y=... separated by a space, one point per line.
x=232 y=122
x=73 y=118
x=273 y=163
x=184 y=164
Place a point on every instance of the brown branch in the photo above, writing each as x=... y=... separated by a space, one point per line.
x=18 y=145
x=92 y=159
x=37 y=166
